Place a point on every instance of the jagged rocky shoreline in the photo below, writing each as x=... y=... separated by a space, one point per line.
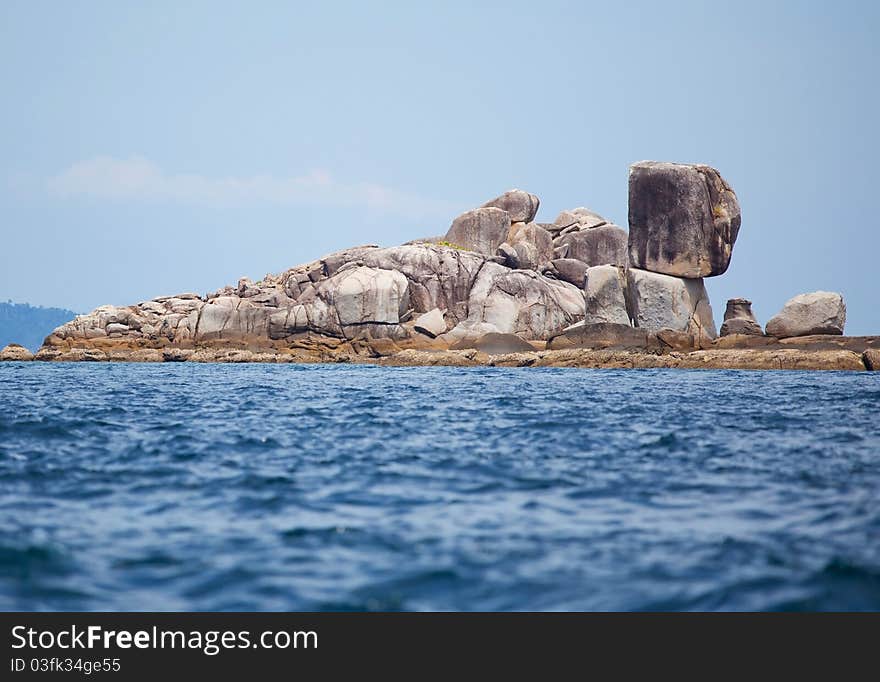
x=497 y=289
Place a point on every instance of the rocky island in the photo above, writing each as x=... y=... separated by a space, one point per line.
x=497 y=289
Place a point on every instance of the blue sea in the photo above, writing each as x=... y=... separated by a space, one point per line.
x=336 y=487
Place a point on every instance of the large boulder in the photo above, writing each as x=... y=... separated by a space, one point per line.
x=532 y=246
x=439 y=276
x=664 y=302
x=603 y=245
x=569 y=270
x=523 y=302
x=361 y=295
x=739 y=319
x=482 y=230
x=821 y=312
x=578 y=218
x=520 y=205
x=683 y=219
x=604 y=294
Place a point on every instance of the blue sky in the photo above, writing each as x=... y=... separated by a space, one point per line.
x=154 y=148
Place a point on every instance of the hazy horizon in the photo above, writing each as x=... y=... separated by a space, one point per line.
x=157 y=149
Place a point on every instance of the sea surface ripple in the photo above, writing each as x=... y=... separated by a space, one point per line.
x=319 y=487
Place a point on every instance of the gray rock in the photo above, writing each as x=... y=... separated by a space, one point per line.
x=739 y=319
x=116 y=328
x=683 y=219
x=482 y=230
x=523 y=302
x=532 y=243
x=603 y=245
x=601 y=335
x=519 y=205
x=570 y=270
x=431 y=323
x=580 y=218
x=659 y=301
x=362 y=295
x=496 y=344
x=820 y=312
x=605 y=297
x=508 y=255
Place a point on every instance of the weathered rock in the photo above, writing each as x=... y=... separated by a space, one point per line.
x=519 y=205
x=495 y=344
x=683 y=219
x=15 y=353
x=439 y=276
x=364 y=295
x=570 y=270
x=664 y=302
x=431 y=323
x=871 y=358
x=820 y=312
x=523 y=302
x=739 y=319
x=603 y=245
x=581 y=218
x=482 y=230
x=508 y=255
x=533 y=245
x=605 y=295
x=601 y=335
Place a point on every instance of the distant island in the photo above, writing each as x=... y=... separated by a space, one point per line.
x=498 y=288
x=28 y=325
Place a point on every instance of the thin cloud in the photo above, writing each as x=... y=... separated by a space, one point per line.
x=139 y=179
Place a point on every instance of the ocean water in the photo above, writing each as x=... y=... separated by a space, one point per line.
x=318 y=487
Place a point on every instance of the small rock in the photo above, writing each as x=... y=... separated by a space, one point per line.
x=739 y=319
x=15 y=353
x=431 y=323
x=871 y=357
x=496 y=344
x=821 y=312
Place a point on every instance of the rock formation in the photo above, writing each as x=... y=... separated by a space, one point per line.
x=605 y=297
x=13 y=352
x=519 y=205
x=820 y=312
x=498 y=288
x=683 y=219
x=738 y=319
x=665 y=302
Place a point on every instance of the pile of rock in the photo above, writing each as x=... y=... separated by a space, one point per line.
x=496 y=272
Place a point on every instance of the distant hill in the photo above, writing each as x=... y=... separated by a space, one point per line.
x=28 y=325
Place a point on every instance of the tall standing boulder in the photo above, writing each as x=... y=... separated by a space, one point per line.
x=683 y=219
x=520 y=205
x=665 y=302
x=482 y=230
x=605 y=295
x=821 y=312
x=739 y=319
